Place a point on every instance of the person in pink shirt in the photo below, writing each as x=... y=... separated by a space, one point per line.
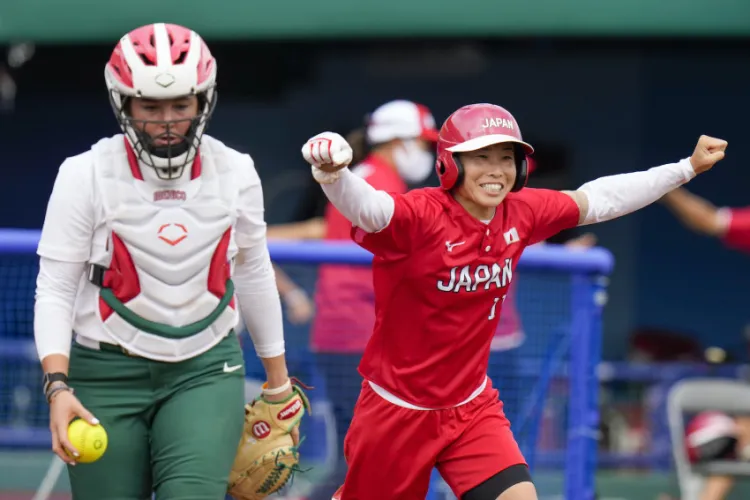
x=399 y=136
x=732 y=227
x=393 y=150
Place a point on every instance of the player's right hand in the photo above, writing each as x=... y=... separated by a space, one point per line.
x=327 y=151
x=708 y=152
x=63 y=408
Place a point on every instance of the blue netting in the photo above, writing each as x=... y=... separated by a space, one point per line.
x=548 y=384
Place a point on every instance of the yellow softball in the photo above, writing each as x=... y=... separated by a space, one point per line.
x=89 y=440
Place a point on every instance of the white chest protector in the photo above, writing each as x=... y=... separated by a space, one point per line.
x=165 y=266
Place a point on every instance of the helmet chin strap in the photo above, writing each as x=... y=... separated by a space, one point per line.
x=169 y=151
x=168 y=161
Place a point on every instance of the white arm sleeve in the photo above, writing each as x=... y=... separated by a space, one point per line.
x=617 y=195
x=255 y=283
x=64 y=248
x=56 y=289
x=363 y=205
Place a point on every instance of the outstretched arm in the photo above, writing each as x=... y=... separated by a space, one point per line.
x=364 y=206
x=696 y=213
x=613 y=196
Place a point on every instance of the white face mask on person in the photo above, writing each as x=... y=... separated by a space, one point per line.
x=413 y=163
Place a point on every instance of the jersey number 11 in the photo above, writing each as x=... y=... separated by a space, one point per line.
x=494 y=306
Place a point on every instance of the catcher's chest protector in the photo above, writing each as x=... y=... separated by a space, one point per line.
x=167 y=250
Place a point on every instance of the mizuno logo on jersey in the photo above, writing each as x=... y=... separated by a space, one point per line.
x=470 y=278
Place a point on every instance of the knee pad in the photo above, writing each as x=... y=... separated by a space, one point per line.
x=497 y=484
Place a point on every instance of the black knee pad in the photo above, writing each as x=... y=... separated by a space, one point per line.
x=497 y=484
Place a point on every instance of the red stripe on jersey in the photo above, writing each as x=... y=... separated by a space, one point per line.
x=135 y=167
x=218 y=271
x=121 y=277
x=197 y=167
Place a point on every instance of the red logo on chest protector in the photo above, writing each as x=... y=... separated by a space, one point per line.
x=172 y=233
x=170 y=194
x=261 y=429
x=291 y=410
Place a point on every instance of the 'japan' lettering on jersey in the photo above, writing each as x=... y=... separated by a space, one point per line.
x=440 y=278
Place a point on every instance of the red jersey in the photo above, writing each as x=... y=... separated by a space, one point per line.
x=440 y=277
x=738 y=233
x=344 y=297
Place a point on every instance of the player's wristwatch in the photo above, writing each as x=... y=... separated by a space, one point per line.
x=50 y=378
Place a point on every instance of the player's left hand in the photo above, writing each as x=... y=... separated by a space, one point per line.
x=268 y=453
x=708 y=152
x=282 y=398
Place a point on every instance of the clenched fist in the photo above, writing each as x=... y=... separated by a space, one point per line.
x=327 y=151
x=708 y=152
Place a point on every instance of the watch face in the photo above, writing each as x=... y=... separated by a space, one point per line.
x=54 y=377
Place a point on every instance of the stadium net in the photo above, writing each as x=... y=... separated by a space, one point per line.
x=548 y=383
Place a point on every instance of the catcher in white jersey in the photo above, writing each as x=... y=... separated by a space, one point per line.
x=137 y=272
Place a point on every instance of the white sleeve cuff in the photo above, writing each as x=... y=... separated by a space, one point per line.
x=617 y=195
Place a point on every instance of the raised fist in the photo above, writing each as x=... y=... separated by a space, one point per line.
x=328 y=152
x=708 y=152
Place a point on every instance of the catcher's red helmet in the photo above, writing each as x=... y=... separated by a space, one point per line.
x=473 y=127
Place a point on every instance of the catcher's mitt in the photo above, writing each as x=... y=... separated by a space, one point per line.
x=267 y=457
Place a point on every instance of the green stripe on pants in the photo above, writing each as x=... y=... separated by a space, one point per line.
x=173 y=427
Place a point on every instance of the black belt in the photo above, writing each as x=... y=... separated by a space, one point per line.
x=104 y=346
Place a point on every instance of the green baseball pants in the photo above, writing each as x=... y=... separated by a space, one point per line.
x=173 y=428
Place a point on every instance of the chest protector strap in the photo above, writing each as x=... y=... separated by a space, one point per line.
x=99 y=276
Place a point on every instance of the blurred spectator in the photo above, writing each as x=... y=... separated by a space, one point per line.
x=298 y=305
x=392 y=150
x=732 y=227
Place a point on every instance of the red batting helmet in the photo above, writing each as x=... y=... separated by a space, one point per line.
x=475 y=127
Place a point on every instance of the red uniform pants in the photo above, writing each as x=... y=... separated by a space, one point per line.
x=391 y=450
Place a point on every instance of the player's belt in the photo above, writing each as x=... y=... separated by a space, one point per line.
x=97 y=274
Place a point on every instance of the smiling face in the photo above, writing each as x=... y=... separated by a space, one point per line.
x=489 y=175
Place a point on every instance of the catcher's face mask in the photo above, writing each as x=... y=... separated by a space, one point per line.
x=163 y=131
